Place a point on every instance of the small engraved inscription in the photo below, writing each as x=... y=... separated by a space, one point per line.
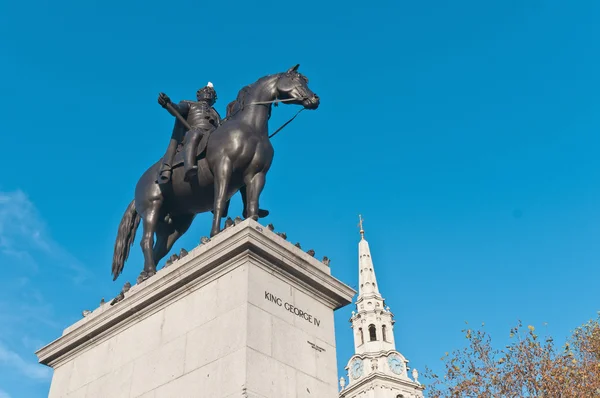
x=316 y=347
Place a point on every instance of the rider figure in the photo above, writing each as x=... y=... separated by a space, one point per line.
x=202 y=119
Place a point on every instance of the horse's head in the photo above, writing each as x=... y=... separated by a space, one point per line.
x=293 y=87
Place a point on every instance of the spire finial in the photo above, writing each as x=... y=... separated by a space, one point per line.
x=360 y=224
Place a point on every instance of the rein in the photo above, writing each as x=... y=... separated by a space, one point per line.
x=275 y=102
x=286 y=123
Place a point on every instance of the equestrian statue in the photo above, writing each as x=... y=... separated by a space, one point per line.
x=227 y=156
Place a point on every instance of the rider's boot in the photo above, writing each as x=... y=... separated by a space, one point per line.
x=189 y=155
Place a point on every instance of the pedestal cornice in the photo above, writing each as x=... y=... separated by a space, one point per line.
x=202 y=265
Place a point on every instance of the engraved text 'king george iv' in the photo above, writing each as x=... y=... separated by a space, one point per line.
x=291 y=308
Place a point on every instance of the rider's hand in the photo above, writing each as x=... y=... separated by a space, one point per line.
x=163 y=100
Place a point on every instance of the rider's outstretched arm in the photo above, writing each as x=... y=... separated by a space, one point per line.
x=182 y=107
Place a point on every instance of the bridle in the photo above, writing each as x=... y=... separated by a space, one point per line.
x=274 y=102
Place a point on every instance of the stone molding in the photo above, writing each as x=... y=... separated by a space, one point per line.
x=205 y=263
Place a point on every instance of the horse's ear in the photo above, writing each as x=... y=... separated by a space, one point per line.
x=293 y=68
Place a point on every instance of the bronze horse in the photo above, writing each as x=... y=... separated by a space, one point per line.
x=239 y=153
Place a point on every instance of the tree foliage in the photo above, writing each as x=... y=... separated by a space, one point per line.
x=529 y=366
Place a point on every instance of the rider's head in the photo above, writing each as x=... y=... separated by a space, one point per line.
x=207 y=93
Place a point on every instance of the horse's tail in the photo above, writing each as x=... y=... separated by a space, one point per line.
x=125 y=237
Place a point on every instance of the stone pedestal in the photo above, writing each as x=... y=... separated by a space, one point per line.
x=245 y=315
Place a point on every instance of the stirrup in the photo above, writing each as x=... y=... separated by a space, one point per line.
x=164 y=176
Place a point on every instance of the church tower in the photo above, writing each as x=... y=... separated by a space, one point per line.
x=376 y=370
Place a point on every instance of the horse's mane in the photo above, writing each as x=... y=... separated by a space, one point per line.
x=231 y=108
x=240 y=100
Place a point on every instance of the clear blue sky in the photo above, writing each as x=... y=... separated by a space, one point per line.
x=466 y=133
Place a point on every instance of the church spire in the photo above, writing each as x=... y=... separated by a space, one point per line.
x=367 y=281
x=360 y=224
x=376 y=369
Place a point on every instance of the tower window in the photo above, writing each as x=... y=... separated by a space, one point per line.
x=383 y=333
x=372 y=333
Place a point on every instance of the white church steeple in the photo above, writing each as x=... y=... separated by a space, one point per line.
x=376 y=370
x=366 y=277
x=372 y=322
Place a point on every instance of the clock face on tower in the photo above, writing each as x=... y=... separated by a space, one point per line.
x=396 y=364
x=356 y=369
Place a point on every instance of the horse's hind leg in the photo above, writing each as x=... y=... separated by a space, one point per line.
x=160 y=249
x=167 y=235
x=222 y=175
x=150 y=224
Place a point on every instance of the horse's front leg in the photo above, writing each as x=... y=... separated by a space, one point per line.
x=222 y=176
x=254 y=186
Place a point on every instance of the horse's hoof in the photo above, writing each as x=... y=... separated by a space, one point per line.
x=145 y=275
x=263 y=213
x=141 y=277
